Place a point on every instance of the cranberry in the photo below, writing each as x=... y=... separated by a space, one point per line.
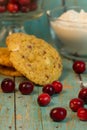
x=58 y=114
x=75 y=104
x=24 y=8
x=8 y=85
x=82 y=114
x=2 y=8
x=43 y=99
x=24 y=2
x=48 y=88
x=3 y=2
x=79 y=67
x=57 y=86
x=32 y=6
x=13 y=8
x=13 y=1
x=83 y=94
x=26 y=87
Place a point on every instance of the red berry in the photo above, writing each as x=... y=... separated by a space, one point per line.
x=24 y=2
x=24 y=8
x=3 y=2
x=57 y=86
x=83 y=94
x=32 y=6
x=79 y=67
x=2 y=8
x=43 y=99
x=82 y=114
x=13 y=1
x=75 y=104
x=8 y=85
x=58 y=114
x=26 y=87
x=13 y=8
x=48 y=88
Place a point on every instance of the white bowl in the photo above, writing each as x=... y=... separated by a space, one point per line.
x=70 y=27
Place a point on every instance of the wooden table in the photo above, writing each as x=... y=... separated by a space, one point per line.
x=21 y=112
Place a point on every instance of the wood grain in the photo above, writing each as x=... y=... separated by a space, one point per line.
x=52 y=4
x=7 y=120
x=28 y=113
x=70 y=90
x=71 y=2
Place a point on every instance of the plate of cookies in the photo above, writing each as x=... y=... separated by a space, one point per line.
x=31 y=57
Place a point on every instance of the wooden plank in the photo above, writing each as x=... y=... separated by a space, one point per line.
x=7 y=120
x=83 y=77
x=28 y=114
x=81 y=3
x=70 y=90
x=71 y=2
x=51 y=4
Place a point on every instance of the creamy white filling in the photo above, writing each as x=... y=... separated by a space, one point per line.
x=73 y=16
x=71 y=28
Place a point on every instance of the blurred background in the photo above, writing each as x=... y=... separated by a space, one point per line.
x=31 y=26
x=39 y=26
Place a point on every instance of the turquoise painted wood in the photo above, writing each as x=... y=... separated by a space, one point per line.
x=81 y=3
x=71 y=2
x=50 y=4
x=28 y=112
x=76 y=2
x=30 y=116
x=7 y=119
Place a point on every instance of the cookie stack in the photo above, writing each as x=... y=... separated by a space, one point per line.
x=6 y=67
x=33 y=58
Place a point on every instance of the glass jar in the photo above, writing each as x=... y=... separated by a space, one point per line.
x=13 y=14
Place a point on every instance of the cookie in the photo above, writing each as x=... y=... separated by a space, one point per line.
x=9 y=71
x=14 y=40
x=4 y=57
x=38 y=61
